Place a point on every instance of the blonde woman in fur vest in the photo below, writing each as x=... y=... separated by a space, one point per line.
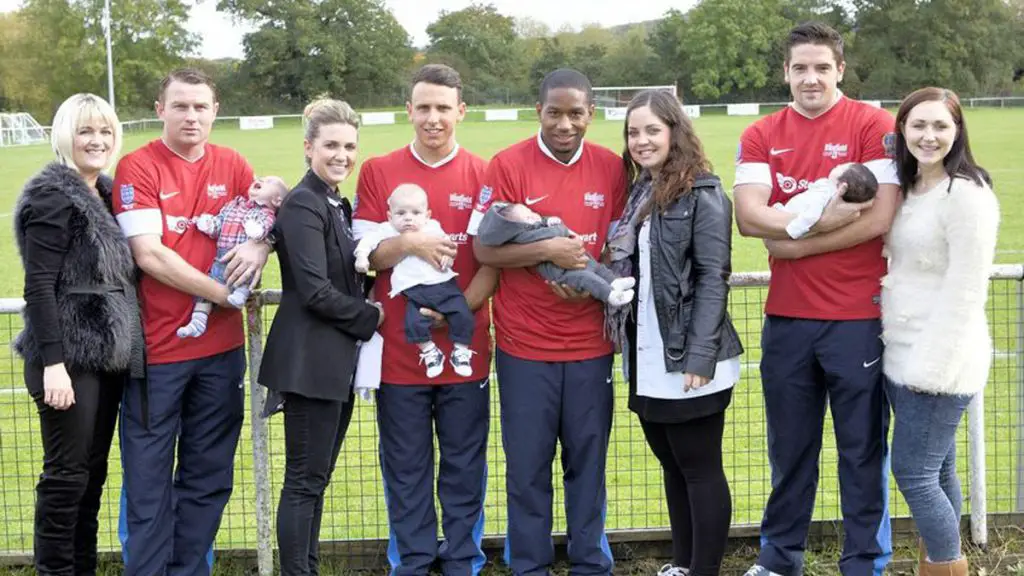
x=82 y=335
x=937 y=344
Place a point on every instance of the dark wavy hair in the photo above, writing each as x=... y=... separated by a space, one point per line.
x=686 y=159
x=959 y=162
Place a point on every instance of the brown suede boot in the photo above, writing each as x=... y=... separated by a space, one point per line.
x=957 y=567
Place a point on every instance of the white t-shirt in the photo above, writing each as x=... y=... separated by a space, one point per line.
x=652 y=380
x=411 y=270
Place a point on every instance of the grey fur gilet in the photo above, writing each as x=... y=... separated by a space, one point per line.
x=95 y=291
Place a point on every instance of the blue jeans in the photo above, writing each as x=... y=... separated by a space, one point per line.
x=924 y=464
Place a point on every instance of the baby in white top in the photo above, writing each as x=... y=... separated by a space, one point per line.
x=423 y=285
x=854 y=181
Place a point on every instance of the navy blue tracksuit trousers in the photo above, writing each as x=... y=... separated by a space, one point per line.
x=446 y=298
x=407 y=417
x=194 y=409
x=806 y=365
x=543 y=403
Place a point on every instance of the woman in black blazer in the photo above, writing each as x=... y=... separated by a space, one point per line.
x=310 y=355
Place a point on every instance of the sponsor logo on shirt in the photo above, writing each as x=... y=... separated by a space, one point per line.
x=593 y=200
x=590 y=239
x=215 y=191
x=177 y=224
x=835 y=151
x=460 y=201
x=790 y=185
x=459 y=238
x=127 y=195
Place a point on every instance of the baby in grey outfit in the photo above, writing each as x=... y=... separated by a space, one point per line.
x=516 y=223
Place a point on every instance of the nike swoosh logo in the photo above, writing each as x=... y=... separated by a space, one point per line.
x=775 y=152
x=166 y=195
x=872 y=363
x=532 y=201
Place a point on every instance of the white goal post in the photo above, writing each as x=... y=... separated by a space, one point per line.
x=19 y=129
x=613 y=100
x=619 y=96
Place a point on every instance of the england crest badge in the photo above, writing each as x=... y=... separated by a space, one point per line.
x=485 y=195
x=127 y=194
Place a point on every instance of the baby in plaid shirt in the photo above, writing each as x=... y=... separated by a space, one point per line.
x=245 y=217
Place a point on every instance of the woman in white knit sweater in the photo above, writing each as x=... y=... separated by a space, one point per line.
x=937 y=344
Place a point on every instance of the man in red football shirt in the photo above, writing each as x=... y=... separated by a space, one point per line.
x=409 y=405
x=822 y=334
x=191 y=403
x=554 y=364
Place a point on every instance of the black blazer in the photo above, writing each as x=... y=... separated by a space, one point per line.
x=311 y=349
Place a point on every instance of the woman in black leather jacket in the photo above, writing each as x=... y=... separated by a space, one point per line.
x=680 y=350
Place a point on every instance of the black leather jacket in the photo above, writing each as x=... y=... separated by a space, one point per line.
x=691 y=260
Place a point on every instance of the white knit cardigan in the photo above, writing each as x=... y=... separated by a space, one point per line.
x=940 y=249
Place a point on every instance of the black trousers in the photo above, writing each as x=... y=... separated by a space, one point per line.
x=76 y=446
x=313 y=432
x=699 y=503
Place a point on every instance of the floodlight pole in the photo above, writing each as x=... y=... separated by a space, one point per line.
x=110 y=57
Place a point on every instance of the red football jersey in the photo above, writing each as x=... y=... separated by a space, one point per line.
x=788 y=151
x=588 y=194
x=158 y=192
x=451 y=187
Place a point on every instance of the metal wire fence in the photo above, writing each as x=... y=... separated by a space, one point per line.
x=354 y=509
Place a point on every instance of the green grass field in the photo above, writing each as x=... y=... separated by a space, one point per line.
x=355 y=507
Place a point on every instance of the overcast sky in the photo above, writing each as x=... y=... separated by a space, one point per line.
x=221 y=38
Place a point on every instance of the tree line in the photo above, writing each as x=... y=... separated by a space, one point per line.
x=719 y=51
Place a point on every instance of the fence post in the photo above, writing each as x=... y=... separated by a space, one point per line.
x=260 y=437
x=979 y=504
x=1020 y=395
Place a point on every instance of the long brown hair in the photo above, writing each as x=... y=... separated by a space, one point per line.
x=958 y=161
x=685 y=160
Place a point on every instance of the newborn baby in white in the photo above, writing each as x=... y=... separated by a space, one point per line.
x=855 y=182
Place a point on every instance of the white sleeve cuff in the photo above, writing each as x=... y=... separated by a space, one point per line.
x=884 y=170
x=140 y=222
x=474 y=222
x=753 y=173
x=800 y=226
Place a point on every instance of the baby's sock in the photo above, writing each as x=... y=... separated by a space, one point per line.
x=238 y=297
x=620 y=298
x=196 y=327
x=623 y=283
